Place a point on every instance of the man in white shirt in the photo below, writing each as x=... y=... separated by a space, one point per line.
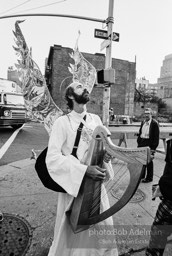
x=68 y=171
x=148 y=136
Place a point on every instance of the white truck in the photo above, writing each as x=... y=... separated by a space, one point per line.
x=12 y=109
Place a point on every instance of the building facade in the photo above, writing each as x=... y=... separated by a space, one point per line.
x=142 y=83
x=165 y=80
x=152 y=89
x=58 y=77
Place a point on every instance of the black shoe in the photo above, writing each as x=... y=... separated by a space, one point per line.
x=147 y=180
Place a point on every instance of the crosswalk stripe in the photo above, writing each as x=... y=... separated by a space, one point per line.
x=28 y=126
x=7 y=144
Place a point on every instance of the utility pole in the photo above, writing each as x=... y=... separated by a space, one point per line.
x=108 y=64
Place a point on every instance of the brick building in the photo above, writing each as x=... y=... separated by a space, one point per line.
x=122 y=92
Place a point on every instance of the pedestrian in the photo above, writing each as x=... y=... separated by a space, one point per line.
x=111 y=114
x=148 y=136
x=162 y=226
x=69 y=171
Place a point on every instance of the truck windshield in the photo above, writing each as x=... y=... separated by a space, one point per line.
x=14 y=99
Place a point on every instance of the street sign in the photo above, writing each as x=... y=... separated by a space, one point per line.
x=99 y=33
x=115 y=37
x=105 y=44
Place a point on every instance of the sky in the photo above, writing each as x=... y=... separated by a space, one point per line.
x=144 y=27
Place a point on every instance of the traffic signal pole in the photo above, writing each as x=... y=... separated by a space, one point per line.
x=52 y=15
x=108 y=64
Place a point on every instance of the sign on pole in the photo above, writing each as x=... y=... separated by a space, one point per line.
x=104 y=44
x=115 y=37
x=103 y=34
x=99 y=33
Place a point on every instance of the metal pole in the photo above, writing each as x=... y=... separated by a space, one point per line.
x=108 y=64
x=53 y=15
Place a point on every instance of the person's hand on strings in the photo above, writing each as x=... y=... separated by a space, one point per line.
x=95 y=172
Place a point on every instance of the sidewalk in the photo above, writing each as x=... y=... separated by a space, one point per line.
x=137 y=124
x=22 y=193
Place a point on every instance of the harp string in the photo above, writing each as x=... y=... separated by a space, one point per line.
x=110 y=181
x=114 y=185
x=96 y=199
x=117 y=183
x=122 y=167
x=107 y=183
x=121 y=178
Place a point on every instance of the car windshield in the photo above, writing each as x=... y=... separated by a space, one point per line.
x=14 y=99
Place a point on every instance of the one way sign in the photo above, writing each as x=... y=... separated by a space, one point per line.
x=115 y=37
x=99 y=33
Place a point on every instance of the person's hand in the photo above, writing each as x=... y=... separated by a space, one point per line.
x=153 y=151
x=107 y=157
x=95 y=172
x=152 y=154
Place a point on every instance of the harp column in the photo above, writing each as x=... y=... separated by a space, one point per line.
x=108 y=64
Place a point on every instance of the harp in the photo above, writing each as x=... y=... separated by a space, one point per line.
x=85 y=210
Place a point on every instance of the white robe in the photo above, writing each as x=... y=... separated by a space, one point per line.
x=68 y=172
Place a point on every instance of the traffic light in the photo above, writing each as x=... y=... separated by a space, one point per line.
x=106 y=76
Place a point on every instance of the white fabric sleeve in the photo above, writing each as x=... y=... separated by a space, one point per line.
x=66 y=170
x=109 y=171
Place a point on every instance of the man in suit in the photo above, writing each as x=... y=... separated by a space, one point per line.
x=148 y=136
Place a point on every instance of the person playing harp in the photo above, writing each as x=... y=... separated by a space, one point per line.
x=69 y=170
x=66 y=169
x=68 y=154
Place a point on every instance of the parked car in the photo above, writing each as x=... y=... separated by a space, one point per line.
x=122 y=119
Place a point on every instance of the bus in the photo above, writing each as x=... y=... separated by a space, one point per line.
x=12 y=110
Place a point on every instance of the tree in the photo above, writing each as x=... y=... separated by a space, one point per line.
x=142 y=96
x=161 y=105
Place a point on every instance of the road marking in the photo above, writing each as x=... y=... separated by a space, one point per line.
x=28 y=126
x=7 y=144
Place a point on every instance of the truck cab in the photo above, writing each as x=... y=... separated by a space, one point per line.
x=12 y=109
